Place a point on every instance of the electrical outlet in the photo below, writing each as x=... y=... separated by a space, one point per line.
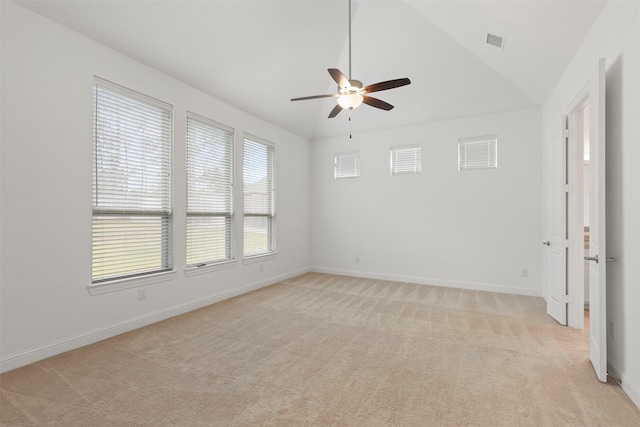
x=261 y=268
x=357 y=260
x=142 y=294
x=524 y=272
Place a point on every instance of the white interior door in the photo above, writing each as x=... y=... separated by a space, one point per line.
x=597 y=232
x=555 y=250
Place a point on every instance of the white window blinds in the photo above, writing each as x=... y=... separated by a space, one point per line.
x=406 y=159
x=209 y=191
x=259 y=197
x=347 y=165
x=478 y=153
x=131 y=184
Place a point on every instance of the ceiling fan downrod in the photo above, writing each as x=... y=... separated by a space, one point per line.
x=349 y=40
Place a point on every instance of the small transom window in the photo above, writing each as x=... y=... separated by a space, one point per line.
x=347 y=165
x=478 y=153
x=406 y=159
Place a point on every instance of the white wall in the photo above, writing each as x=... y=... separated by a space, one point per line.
x=616 y=37
x=47 y=79
x=473 y=229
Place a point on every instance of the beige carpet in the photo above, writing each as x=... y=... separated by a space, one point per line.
x=323 y=350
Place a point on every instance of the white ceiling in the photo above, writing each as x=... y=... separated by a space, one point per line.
x=256 y=55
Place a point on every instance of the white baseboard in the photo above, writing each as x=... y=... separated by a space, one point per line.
x=71 y=343
x=474 y=286
x=632 y=390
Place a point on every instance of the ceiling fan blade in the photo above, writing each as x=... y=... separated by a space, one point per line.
x=335 y=95
x=375 y=102
x=389 y=84
x=335 y=111
x=340 y=78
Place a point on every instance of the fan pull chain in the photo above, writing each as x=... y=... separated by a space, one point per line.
x=350 y=136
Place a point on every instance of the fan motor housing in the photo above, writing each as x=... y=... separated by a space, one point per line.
x=355 y=86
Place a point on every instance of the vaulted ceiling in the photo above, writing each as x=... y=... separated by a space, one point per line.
x=257 y=55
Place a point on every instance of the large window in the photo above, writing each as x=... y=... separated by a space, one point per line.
x=209 y=192
x=259 y=197
x=131 y=184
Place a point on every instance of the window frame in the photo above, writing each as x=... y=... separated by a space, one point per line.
x=117 y=208
x=228 y=215
x=491 y=160
x=401 y=169
x=341 y=172
x=271 y=214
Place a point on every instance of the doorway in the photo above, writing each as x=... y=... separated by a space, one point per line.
x=586 y=189
x=578 y=220
x=583 y=123
x=565 y=270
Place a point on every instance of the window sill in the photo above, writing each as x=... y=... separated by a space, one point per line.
x=132 y=282
x=259 y=258
x=208 y=268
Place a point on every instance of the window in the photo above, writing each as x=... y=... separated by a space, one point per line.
x=259 y=196
x=347 y=165
x=478 y=153
x=406 y=159
x=131 y=184
x=209 y=192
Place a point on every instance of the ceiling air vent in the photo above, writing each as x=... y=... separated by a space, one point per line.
x=494 y=40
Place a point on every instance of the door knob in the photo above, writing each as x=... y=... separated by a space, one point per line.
x=547 y=243
x=611 y=259
x=592 y=258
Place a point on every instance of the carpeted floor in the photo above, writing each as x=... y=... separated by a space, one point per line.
x=324 y=350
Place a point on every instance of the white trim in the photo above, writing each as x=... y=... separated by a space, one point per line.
x=208 y=268
x=258 y=140
x=211 y=122
x=259 y=258
x=33 y=355
x=126 y=92
x=473 y=286
x=130 y=282
x=632 y=390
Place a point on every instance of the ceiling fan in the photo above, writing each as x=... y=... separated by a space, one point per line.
x=351 y=93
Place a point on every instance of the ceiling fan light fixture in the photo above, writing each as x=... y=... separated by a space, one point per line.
x=350 y=101
x=352 y=93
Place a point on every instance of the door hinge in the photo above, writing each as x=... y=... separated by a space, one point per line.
x=566 y=133
x=566 y=299
x=568 y=188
